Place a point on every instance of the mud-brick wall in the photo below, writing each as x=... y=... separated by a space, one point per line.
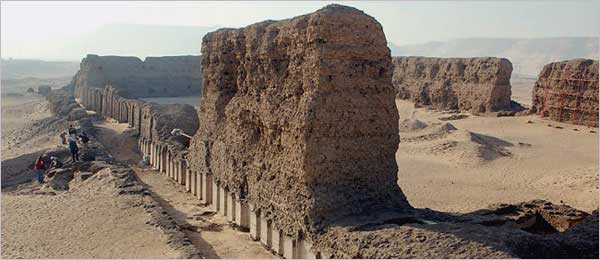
x=469 y=84
x=154 y=77
x=153 y=121
x=299 y=120
x=567 y=91
x=158 y=120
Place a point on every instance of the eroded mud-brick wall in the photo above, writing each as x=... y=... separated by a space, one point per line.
x=154 y=122
x=469 y=84
x=153 y=77
x=567 y=91
x=298 y=117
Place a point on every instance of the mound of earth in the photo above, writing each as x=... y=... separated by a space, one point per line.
x=453 y=145
x=431 y=132
x=408 y=125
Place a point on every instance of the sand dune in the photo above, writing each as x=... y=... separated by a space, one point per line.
x=457 y=146
x=467 y=164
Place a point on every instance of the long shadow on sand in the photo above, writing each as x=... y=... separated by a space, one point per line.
x=205 y=249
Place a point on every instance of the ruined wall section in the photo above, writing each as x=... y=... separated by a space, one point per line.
x=299 y=120
x=153 y=122
x=478 y=85
x=154 y=77
x=567 y=91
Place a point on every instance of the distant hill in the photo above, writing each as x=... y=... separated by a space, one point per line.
x=527 y=55
x=126 y=40
x=21 y=69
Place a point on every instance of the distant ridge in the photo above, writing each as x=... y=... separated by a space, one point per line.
x=527 y=55
x=23 y=68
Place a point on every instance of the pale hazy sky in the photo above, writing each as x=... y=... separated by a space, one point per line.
x=404 y=22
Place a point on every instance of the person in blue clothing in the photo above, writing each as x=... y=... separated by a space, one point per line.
x=74 y=150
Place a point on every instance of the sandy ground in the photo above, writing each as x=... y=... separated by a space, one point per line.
x=485 y=160
x=18 y=115
x=75 y=224
x=495 y=160
x=210 y=233
x=522 y=89
x=82 y=224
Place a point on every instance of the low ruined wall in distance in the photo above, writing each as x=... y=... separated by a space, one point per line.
x=478 y=85
x=154 y=122
x=299 y=120
x=154 y=77
x=567 y=91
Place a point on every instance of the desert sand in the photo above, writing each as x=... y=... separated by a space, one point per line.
x=89 y=222
x=490 y=160
x=449 y=165
x=19 y=113
x=86 y=223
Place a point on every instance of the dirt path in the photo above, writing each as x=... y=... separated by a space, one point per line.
x=210 y=233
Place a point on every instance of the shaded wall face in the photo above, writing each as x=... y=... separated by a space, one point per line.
x=567 y=91
x=468 y=84
x=284 y=104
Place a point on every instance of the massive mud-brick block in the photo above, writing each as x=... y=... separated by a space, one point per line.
x=298 y=117
x=567 y=91
x=154 y=77
x=468 y=84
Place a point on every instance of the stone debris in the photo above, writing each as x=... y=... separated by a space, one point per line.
x=453 y=117
x=536 y=216
x=77 y=113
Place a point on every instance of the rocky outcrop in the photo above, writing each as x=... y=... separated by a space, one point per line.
x=77 y=113
x=478 y=85
x=525 y=230
x=567 y=91
x=153 y=77
x=298 y=118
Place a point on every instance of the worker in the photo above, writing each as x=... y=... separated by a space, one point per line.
x=56 y=163
x=84 y=138
x=74 y=150
x=63 y=138
x=39 y=169
x=72 y=130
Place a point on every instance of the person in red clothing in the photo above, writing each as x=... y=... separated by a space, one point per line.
x=39 y=169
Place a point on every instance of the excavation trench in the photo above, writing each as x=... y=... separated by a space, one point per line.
x=210 y=233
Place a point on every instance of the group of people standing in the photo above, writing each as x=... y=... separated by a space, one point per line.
x=42 y=164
